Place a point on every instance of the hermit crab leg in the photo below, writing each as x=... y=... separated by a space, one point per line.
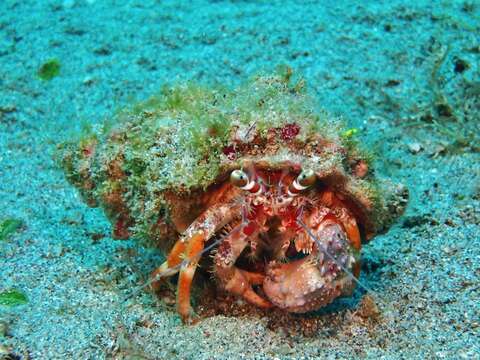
x=195 y=246
x=186 y=252
x=199 y=232
x=157 y=274
x=209 y=222
x=236 y=281
x=171 y=266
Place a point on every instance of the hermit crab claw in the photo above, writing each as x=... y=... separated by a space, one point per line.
x=316 y=280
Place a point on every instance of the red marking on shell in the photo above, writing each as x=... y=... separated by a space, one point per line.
x=230 y=152
x=88 y=151
x=249 y=229
x=289 y=131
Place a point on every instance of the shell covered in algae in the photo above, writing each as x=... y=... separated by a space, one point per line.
x=152 y=170
x=156 y=166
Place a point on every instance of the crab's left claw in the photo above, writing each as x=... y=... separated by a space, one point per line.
x=314 y=281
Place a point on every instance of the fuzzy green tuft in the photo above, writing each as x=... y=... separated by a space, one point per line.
x=13 y=298
x=49 y=69
x=8 y=227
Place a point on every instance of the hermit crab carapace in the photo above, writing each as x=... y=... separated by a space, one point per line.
x=279 y=194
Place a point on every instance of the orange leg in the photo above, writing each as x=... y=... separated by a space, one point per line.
x=239 y=285
x=253 y=277
x=187 y=251
x=194 y=249
x=171 y=266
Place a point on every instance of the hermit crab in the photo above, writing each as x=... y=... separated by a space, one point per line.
x=279 y=194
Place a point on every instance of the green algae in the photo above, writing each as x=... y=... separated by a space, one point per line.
x=196 y=122
x=349 y=133
x=8 y=227
x=13 y=297
x=49 y=69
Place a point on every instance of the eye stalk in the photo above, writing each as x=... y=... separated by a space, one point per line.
x=303 y=181
x=307 y=178
x=239 y=178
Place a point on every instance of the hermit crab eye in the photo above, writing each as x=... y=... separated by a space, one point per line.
x=306 y=178
x=239 y=178
x=303 y=181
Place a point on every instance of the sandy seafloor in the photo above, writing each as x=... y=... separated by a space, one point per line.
x=392 y=70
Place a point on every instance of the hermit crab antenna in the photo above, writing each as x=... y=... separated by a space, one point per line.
x=240 y=179
x=280 y=181
x=331 y=257
x=303 y=181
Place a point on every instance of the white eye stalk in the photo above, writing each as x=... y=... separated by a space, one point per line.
x=241 y=180
x=304 y=180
